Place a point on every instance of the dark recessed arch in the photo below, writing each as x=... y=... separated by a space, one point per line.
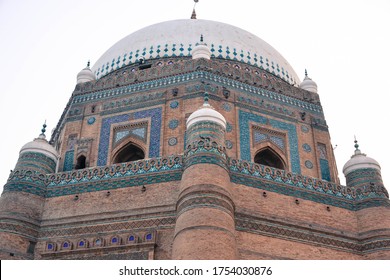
x=269 y=157
x=81 y=162
x=129 y=152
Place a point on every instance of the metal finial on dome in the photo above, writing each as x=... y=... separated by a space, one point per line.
x=305 y=72
x=201 y=38
x=89 y=63
x=43 y=130
x=356 y=144
x=193 y=16
x=206 y=98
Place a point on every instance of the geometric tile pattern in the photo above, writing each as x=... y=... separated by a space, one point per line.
x=185 y=78
x=68 y=161
x=324 y=164
x=155 y=132
x=309 y=164
x=244 y=124
x=349 y=244
x=173 y=50
x=260 y=135
x=292 y=184
x=168 y=169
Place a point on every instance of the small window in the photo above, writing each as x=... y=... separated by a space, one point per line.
x=81 y=161
x=31 y=247
x=93 y=109
x=149 y=237
x=131 y=238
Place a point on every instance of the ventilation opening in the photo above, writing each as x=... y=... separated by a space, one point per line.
x=129 y=153
x=31 y=247
x=80 y=162
x=270 y=158
x=145 y=66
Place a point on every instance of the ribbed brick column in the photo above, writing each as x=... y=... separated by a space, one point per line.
x=205 y=210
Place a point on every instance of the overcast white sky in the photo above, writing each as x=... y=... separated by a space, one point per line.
x=344 y=44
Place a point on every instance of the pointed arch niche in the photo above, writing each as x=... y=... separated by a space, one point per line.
x=129 y=151
x=269 y=148
x=129 y=142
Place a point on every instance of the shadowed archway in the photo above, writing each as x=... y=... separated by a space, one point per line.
x=270 y=158
x=130 y=152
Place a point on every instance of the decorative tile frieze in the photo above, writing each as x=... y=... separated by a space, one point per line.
x=296 y=185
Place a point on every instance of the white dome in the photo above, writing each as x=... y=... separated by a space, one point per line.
x=40 y=145
x=206 y=113
x=85 y=75
x=179 y=37
x=360 y=161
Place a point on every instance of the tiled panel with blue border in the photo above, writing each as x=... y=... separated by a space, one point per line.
x=155 y=132
x=325 y=172
x=68 y=161
x=245 y=137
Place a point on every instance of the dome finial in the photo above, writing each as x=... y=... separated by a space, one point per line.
x=89 y=63
x=356 y=144
x=201 y=38
x=43 y=130
x=193 y=16
x=305 y=72
x=206 y=98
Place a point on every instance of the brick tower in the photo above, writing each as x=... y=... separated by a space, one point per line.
x=205 y=209
x=22 y=205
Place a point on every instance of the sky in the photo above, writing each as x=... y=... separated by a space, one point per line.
x=344 y=45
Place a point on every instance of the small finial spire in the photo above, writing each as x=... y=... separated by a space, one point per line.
x=89 y=63
x=206 y=98
x=43 y=130
x=356 y=144
x=193 y=16
x=201 y=38
x=305 y=72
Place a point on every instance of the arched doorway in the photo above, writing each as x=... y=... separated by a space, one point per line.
x=130 y=152
x=270 y=158
x=81 y=162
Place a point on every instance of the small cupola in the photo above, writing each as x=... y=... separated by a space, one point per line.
x=206 y=113
x=308 y=84
x=201 y=50
x=361 y=169
x=85 y=75
x=41 y=146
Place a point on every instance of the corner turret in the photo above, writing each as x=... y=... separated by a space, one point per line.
x=22 y=200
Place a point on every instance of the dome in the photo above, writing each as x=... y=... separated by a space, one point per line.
x=360 y=161
x=206 y=113
x=85 y=75
x=40 y=145
x=179 y=37
x=308 y=84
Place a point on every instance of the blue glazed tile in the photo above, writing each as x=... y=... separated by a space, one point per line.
x=155 y=132
x=246 y=117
